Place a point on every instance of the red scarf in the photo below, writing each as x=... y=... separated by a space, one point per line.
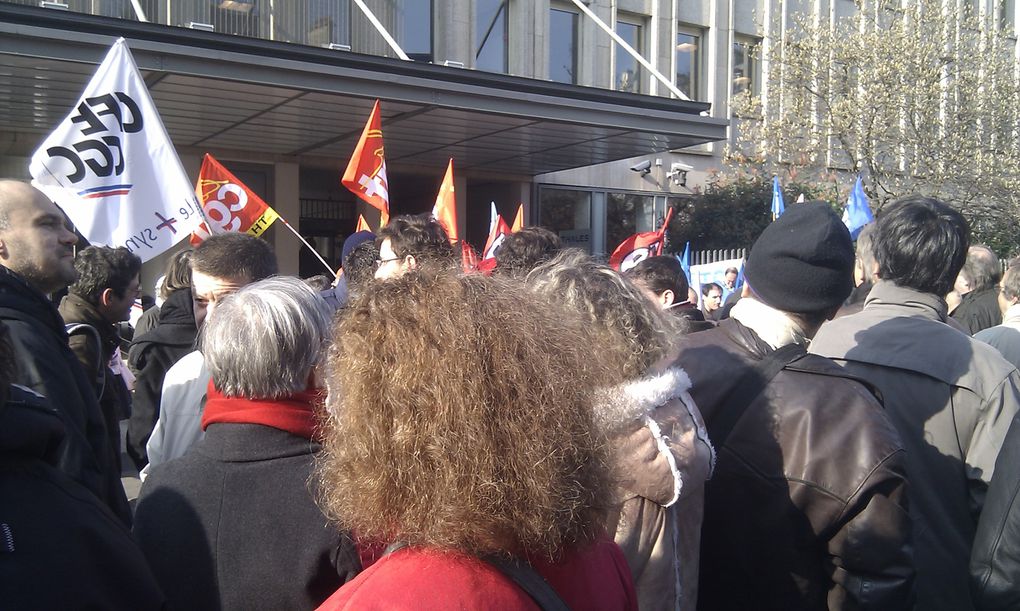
x=294 y=414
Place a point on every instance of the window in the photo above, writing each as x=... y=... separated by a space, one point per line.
x=688 y=63
x=491 y=38
x=745 y=66
x=627 y=214
x=1007 y=17
x=409 y=22
x=562 y=45
x=568 y=214
x=628 y=71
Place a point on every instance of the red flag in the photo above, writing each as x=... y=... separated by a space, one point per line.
x=496 y=237
x=228 y=204
x=445 y=210
x=468 y=257
x=365 y=175
x=362 y=224
x=518 y=220
x=639 y=247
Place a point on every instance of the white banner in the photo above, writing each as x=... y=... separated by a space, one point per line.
x=714 y=272
x=112 y=168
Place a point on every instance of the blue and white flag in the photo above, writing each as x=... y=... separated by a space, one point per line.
x=778 y=207
x=857 y=213
x=112 y=169
x=685 y=261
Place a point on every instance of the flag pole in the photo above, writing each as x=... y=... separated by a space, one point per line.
x=305 y=242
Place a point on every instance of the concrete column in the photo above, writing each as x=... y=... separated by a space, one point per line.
x=286 y=194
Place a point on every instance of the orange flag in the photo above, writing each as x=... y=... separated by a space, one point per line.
x=518 y=220
x=362 y=224
x=640 y=246
x=228 y=204
x=365 y=175
x=445 y=210
x=496 y=237
x=468 y=257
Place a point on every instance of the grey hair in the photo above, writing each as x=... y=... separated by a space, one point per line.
x=982 y=268
x=1011 y=281
x=866 y=252
x=263 y=341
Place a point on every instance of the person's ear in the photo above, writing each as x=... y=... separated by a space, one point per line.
x=667 y=297
x=410 y=262
x=106 y=297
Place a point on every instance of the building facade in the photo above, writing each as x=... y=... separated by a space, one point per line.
x=535 y=100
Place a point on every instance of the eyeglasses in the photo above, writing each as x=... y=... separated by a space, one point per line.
x=379 y=262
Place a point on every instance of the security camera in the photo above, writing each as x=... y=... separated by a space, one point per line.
x=678 y=166
x=644 y=167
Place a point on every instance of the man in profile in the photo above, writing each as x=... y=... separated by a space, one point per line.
x=101 y=297
x=220 y=266
x=663 y=281
x=977 y=285
x=409 y=242
x=36 y=259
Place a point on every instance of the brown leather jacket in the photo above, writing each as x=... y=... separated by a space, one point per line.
x=806 y=509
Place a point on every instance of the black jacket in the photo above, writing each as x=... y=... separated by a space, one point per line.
x=978 y=310
x=232 y=524
x=60 y=548
x=805 y=509
x=115 y=399
x=995 y=559
x=151 y=356
x=47 y=366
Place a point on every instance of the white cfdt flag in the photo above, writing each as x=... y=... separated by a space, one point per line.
x=112 y=169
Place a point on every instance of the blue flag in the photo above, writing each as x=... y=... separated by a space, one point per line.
x=685 y=261
x=778 y=207
x=857 y=213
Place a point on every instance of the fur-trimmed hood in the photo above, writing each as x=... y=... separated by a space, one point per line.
x=626 y=402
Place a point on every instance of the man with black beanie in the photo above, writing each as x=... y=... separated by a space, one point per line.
x=806 y=509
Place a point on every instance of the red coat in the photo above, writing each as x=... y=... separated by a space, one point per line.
x=596 y=578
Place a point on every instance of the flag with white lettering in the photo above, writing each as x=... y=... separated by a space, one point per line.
x=229 y=204
x=112 y=169
x=640 y=246
x=365 y=175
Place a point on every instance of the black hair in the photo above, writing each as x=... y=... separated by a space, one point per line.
x=921 y=243
x=661 y=274
x=420 y=236
x=526 y=249
x=100 y=268
x=359 y=266
x=235 y=255
x=708 y=286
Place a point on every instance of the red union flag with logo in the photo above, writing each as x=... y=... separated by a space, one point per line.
x=229 y=205
x=366 y=173
x=111 y=167
x=639 y=247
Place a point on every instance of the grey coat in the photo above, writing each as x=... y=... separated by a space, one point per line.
x=952 y=399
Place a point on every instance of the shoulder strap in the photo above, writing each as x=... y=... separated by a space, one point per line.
x=521 y=573
x=100 y=379
x=530 y=581
x=751 y=384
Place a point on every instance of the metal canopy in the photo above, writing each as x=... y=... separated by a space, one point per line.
x=218 y=92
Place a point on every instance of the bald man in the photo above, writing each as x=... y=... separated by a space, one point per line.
x=37 y=258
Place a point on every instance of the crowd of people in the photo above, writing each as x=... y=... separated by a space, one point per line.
x=839 y=431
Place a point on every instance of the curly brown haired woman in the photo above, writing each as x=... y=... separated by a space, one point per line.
x=460 y=423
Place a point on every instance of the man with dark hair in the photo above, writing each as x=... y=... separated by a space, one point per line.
x=663 y=281
x=525 y=249
x=106 y=288
x=805 y=509
x=951 y=397
x=976 y=284
x=37 y=258
x=220 y=266
x=357 y=264
x=408 y=242
x=711 y=300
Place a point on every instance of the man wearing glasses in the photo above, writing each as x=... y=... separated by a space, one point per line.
x=410 y=242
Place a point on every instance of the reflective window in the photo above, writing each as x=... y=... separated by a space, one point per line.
x=745 y=68
x=628 y=71
x=408 y=21
x=563 y=46
x=491 y=38
x=568 y=214
x=688 y=64
x=627 y=214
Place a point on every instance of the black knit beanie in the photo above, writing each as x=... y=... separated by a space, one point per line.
x=803 y=261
